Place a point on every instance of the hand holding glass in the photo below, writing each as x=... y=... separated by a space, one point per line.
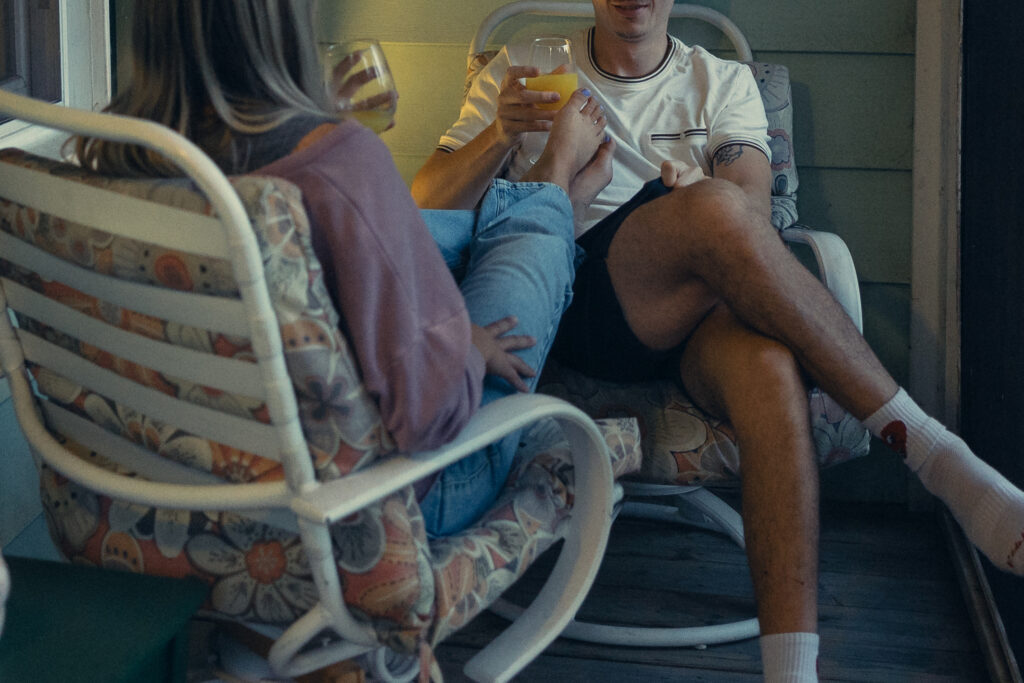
x=359 y=82
x=553 y=56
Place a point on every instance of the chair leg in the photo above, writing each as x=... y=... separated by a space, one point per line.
x=712 y=513
x=387 y=666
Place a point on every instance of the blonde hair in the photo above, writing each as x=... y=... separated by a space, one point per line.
x=209 y=69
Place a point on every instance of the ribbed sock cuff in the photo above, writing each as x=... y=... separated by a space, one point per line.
x=790 y=657
x=906 y=428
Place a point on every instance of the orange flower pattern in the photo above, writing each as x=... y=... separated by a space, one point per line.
x=683 y=445
x=409 y=588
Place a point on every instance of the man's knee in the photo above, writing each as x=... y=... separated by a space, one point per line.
x=718 y=211
x=768 y=370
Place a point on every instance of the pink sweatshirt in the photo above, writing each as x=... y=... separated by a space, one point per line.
x=400 y=307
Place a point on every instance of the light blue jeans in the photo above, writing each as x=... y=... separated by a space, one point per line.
x=515 y=255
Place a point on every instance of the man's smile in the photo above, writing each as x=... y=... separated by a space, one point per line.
x=629 y=8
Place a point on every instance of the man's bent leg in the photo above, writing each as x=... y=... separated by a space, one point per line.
x=521 y=263
x=707 y=235
x=755 y=384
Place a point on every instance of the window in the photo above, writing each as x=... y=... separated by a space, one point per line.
x=30 y=48
x=54 y=50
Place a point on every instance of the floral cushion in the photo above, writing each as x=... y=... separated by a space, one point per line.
x=773 y=83
x=680 y=443
x=409 y=588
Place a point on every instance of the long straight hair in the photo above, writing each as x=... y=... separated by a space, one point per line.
x=209 y=69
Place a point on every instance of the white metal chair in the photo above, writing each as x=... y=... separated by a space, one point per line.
x=5 y=590
x=136 y=479
x=652 y=494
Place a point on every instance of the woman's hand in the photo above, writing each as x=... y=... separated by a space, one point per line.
x=516 y=114
x=496 y=347
x=344 y=85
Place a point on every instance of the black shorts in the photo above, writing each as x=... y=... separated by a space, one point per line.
x=593 y=336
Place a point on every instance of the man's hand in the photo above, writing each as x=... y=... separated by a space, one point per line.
x=516 y=113
x=677 y=174
x=496 y=348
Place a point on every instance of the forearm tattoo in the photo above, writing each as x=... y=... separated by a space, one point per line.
x=728 y=154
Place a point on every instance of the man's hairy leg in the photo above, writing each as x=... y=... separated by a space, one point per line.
x=708 y=233
x=707 y=237
x=755 y=384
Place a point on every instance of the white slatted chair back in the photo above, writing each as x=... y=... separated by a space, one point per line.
x=37 y=364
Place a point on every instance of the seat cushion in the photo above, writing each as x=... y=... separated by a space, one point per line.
x=391 y=573
x=683 y=445
x=475 y=566
x=776 y=94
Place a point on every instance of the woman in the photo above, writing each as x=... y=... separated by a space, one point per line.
x=243 y=81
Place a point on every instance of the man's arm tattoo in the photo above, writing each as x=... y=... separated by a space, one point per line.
x=728 y=154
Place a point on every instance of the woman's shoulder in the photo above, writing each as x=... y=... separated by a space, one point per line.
x=333 y=141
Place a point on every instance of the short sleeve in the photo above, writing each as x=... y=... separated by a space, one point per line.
x=739 y=116
x=480 y=106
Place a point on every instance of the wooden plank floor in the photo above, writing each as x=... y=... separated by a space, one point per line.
x=889 y=603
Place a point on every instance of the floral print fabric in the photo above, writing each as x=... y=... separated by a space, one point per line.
x=683 y=445
x=409 y=588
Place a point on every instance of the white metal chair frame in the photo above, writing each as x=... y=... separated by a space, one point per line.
x=5 y=590
x=309 y=504
x=837 y=272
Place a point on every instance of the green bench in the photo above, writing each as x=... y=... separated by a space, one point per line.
x=75 y=623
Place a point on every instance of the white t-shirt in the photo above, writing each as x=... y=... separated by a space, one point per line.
x=691 y=105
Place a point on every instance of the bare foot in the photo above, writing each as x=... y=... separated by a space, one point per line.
x=591 y=179
x=576 y=133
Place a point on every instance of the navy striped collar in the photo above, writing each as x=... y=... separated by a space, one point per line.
x=670 y=51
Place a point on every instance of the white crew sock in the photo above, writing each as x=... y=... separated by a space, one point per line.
x=790 y=657
x=988 y=507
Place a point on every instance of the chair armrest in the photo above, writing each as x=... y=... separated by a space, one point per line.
x=586 y=535
x=330 y=501
x=835 y=267
x=5 y=589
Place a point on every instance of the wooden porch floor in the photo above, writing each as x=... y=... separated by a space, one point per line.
x=890 y=606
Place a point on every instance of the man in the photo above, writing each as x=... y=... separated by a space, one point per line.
x=690 y=279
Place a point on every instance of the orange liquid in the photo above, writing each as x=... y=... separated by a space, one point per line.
x=375 y=119
x=564 y=84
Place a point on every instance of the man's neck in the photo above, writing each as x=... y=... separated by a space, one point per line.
x=626 y=58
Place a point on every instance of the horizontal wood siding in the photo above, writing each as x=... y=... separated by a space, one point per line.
x=852 y=70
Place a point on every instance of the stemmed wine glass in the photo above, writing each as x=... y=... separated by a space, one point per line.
x=359 y=82
x=553 y=56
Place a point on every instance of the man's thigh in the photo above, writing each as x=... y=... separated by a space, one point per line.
x=662 y=301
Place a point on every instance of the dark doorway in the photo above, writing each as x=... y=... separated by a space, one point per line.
x=992 y=267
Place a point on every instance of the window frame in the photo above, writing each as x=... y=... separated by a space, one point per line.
x=85 y=63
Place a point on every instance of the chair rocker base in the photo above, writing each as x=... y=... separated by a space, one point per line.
x=693 y=506
x=242 y=652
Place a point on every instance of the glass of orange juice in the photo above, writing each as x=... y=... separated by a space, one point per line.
x=553 y=55
x=359 y=82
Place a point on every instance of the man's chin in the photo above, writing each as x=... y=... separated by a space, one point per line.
x=631 y=36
